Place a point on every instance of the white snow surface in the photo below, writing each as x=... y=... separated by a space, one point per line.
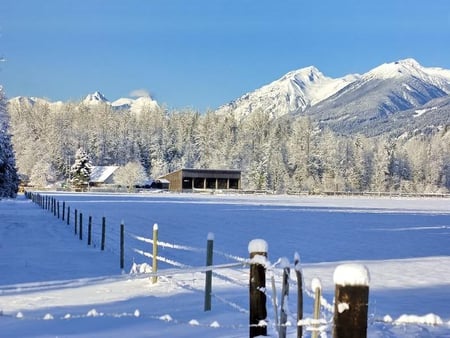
x=257 y=245
x=52 y=284
x=351 y=275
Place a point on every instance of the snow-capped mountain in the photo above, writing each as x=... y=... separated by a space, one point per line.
x=93 y=100
x=294 y=92
x=133 y=105
x=354 y=103
x=379 y=95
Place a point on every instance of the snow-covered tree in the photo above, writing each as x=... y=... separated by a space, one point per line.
x=130 y=175
x=80 y=171
x=9 y=179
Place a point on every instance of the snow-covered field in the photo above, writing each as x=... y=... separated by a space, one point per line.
x=54 y=284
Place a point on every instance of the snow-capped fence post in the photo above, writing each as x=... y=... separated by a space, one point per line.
x=155 y=254
x=81 y=226
x=76 y=221
x=122 y=245
x=258 y=311
x=284 y=296
x=102 y=247
x=90 y=230
x=208 y=277
x=298 y=274
x=351 y=301
x=316 y=286
x=68 y=215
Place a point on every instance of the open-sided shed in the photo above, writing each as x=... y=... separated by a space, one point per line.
x=188 y=179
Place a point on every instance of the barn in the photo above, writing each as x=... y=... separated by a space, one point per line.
x=188 y=179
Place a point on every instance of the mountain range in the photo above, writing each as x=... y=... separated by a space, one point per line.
x=95 y=99
x=393 y=98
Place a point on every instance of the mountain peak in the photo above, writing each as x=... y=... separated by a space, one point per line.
x=397 y=69
x=95 y=98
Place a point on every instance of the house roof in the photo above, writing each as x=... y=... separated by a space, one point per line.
x=100 y=174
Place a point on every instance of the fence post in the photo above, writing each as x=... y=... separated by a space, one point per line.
x=81 y=226
x=103 y=233
x=351 y=301
x=208 y=277
x=316 y=286
x=257 y=249
x=155 y=253
x=54 y=206
x=284 y=296
x=298 y=273
x=64 y=210
x=122 y=245
x=57 y=205
x=76 y=221
x=90 y=230
x=68 y=215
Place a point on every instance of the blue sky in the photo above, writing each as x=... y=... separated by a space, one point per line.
x=204 y=53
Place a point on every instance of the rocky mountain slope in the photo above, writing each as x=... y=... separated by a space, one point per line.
x=383 y=100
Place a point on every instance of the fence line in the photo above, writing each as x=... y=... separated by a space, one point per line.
x=112 y=244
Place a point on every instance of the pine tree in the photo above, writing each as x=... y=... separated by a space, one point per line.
x=80 y=172
x=9 y=179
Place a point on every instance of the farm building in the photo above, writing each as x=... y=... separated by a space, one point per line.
x=192 y=179
x=102 y=175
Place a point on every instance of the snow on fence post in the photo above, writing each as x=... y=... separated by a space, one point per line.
x=316 y=286
x=351 y=301
x=122 y=245
x=90 y=230
x=81 y=226
x=76 y=221
x=155 y=254
x=103 y=233
x=298 y=274
x=257 y=249
x=284 y=297
x=208 y=277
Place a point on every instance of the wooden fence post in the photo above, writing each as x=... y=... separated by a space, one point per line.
x=103 y=233
x=284 y=296
x=257 y=249
x=90 y=230
x=68 y=215
x=57 y=205
x=76 y=221
x=316 y=286
x=208 y=277
x=81 y=226
x=298 y=273
x=155 y=253
x=122 y=245
x=351 y=301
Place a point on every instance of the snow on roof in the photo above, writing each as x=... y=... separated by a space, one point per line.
x=100 y=174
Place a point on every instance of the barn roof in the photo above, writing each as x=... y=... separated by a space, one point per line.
x=100 y=174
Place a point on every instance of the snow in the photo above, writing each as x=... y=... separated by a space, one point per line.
x=351 y=275
x=52 y=284
x=316 y=284
x=257 y=245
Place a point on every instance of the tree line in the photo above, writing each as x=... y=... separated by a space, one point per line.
x=280 y=155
